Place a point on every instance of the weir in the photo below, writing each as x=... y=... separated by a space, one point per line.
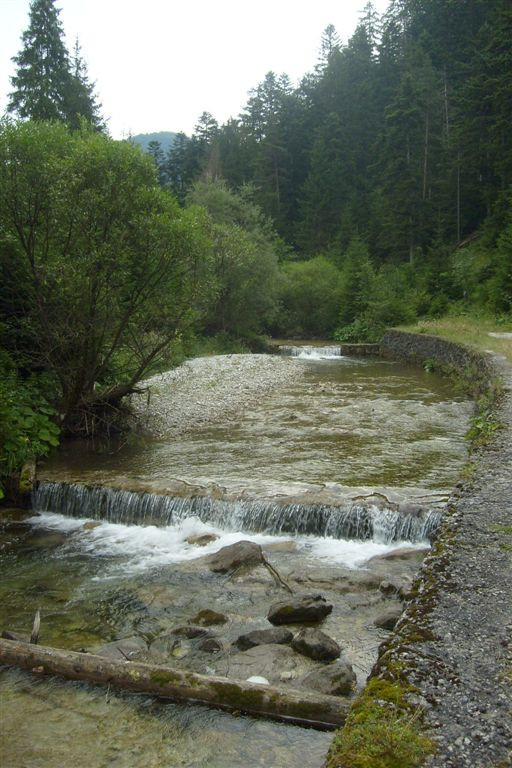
x=311 y=352
x=354 y=520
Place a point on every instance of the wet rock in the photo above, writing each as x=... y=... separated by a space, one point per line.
x=400 y=586
x=15 y=514
x=202 y=540
x=316 y=645
x=343 y=580
x=208 y=617
x=91 y=525
x=276 y=635
x=305 y=608
x=337 y=679
x=281 y=546
x=269 y=661
x=211 y=645
x=128 y=648
x=7 y=635
x=409 y=554
x=243 y=553
x=389 y=618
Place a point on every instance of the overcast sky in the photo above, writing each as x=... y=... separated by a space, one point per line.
x=159 y=63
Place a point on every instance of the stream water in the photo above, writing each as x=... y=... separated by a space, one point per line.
x=322 y=473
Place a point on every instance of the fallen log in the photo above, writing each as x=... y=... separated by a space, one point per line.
x=277 y=703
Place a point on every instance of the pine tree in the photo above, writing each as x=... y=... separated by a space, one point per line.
x=42 y=82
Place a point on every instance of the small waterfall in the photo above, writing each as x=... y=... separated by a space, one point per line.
x=312 y=353
x=356 y=520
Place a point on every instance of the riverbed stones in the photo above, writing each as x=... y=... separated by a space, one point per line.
x=299 y=610
x=277 y=635
x=191 y=632
x=316 y=645
x=400 y=586
x=336 y=679
x=241 y=554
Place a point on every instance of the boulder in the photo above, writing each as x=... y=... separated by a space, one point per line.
x=243 y=553
x=207 y=617
x=275 y=635
x=337 y=679
x=301 y=609
x=316 y=645
x=389 y=618
x=281 y=546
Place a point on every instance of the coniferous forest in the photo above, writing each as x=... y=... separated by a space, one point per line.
x=376 y=192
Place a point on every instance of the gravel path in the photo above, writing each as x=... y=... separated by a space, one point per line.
x=464 y=672
x=206 y=389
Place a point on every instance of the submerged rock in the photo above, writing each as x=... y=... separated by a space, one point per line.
x=337 y=679
x=263 y=637
x=211 y=645
x=276 y=663
x=316 y=645
x=409 y=554
x=202 y=540
x=243 y=553
x=128 y=648
x=400 y=586
x=207 y=617
x=191 y=632
x=306 y=608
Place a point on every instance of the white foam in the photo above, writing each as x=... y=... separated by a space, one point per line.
x=135 y=548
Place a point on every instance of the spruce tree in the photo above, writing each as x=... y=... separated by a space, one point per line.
x=42 y=81
x=47 y=85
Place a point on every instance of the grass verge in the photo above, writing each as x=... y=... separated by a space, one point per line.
x=471 y=330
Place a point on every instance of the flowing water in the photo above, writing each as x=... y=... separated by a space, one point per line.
x=349 y=462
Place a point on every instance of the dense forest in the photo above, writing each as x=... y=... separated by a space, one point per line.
x=377 y=191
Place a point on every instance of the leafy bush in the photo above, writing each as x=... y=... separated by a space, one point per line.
x=27 y=425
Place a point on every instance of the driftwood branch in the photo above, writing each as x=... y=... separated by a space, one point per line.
x=276 y=574
x=278 y=703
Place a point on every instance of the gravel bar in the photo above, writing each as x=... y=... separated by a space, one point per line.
x=205 y=390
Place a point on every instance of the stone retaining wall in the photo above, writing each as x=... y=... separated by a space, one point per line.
x=453 y=644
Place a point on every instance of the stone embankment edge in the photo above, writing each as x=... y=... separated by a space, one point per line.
x=393 y=682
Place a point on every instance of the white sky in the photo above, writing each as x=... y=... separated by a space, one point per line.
x=158 y=64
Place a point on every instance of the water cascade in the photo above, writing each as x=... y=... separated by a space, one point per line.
x=312 y=353
x=355 y=520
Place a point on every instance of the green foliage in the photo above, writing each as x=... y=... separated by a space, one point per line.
x=309 y=294
x=244 y=264
x=95 y=246
x=28 y=428
x=360 y=330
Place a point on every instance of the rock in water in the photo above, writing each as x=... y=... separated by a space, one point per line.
x=306 y=608
x=243 y=553
x=389 y=618
x=316 y=644
x=262 y=637
x=336 y=679
x=208 y=617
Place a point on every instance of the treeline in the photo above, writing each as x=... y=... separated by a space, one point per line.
x=385 y=163
x=377 y=191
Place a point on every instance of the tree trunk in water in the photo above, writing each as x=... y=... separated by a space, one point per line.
x=278 y=703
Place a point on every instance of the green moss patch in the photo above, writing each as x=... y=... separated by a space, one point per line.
x=382 y=731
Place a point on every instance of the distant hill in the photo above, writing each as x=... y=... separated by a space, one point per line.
x=166 y=138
